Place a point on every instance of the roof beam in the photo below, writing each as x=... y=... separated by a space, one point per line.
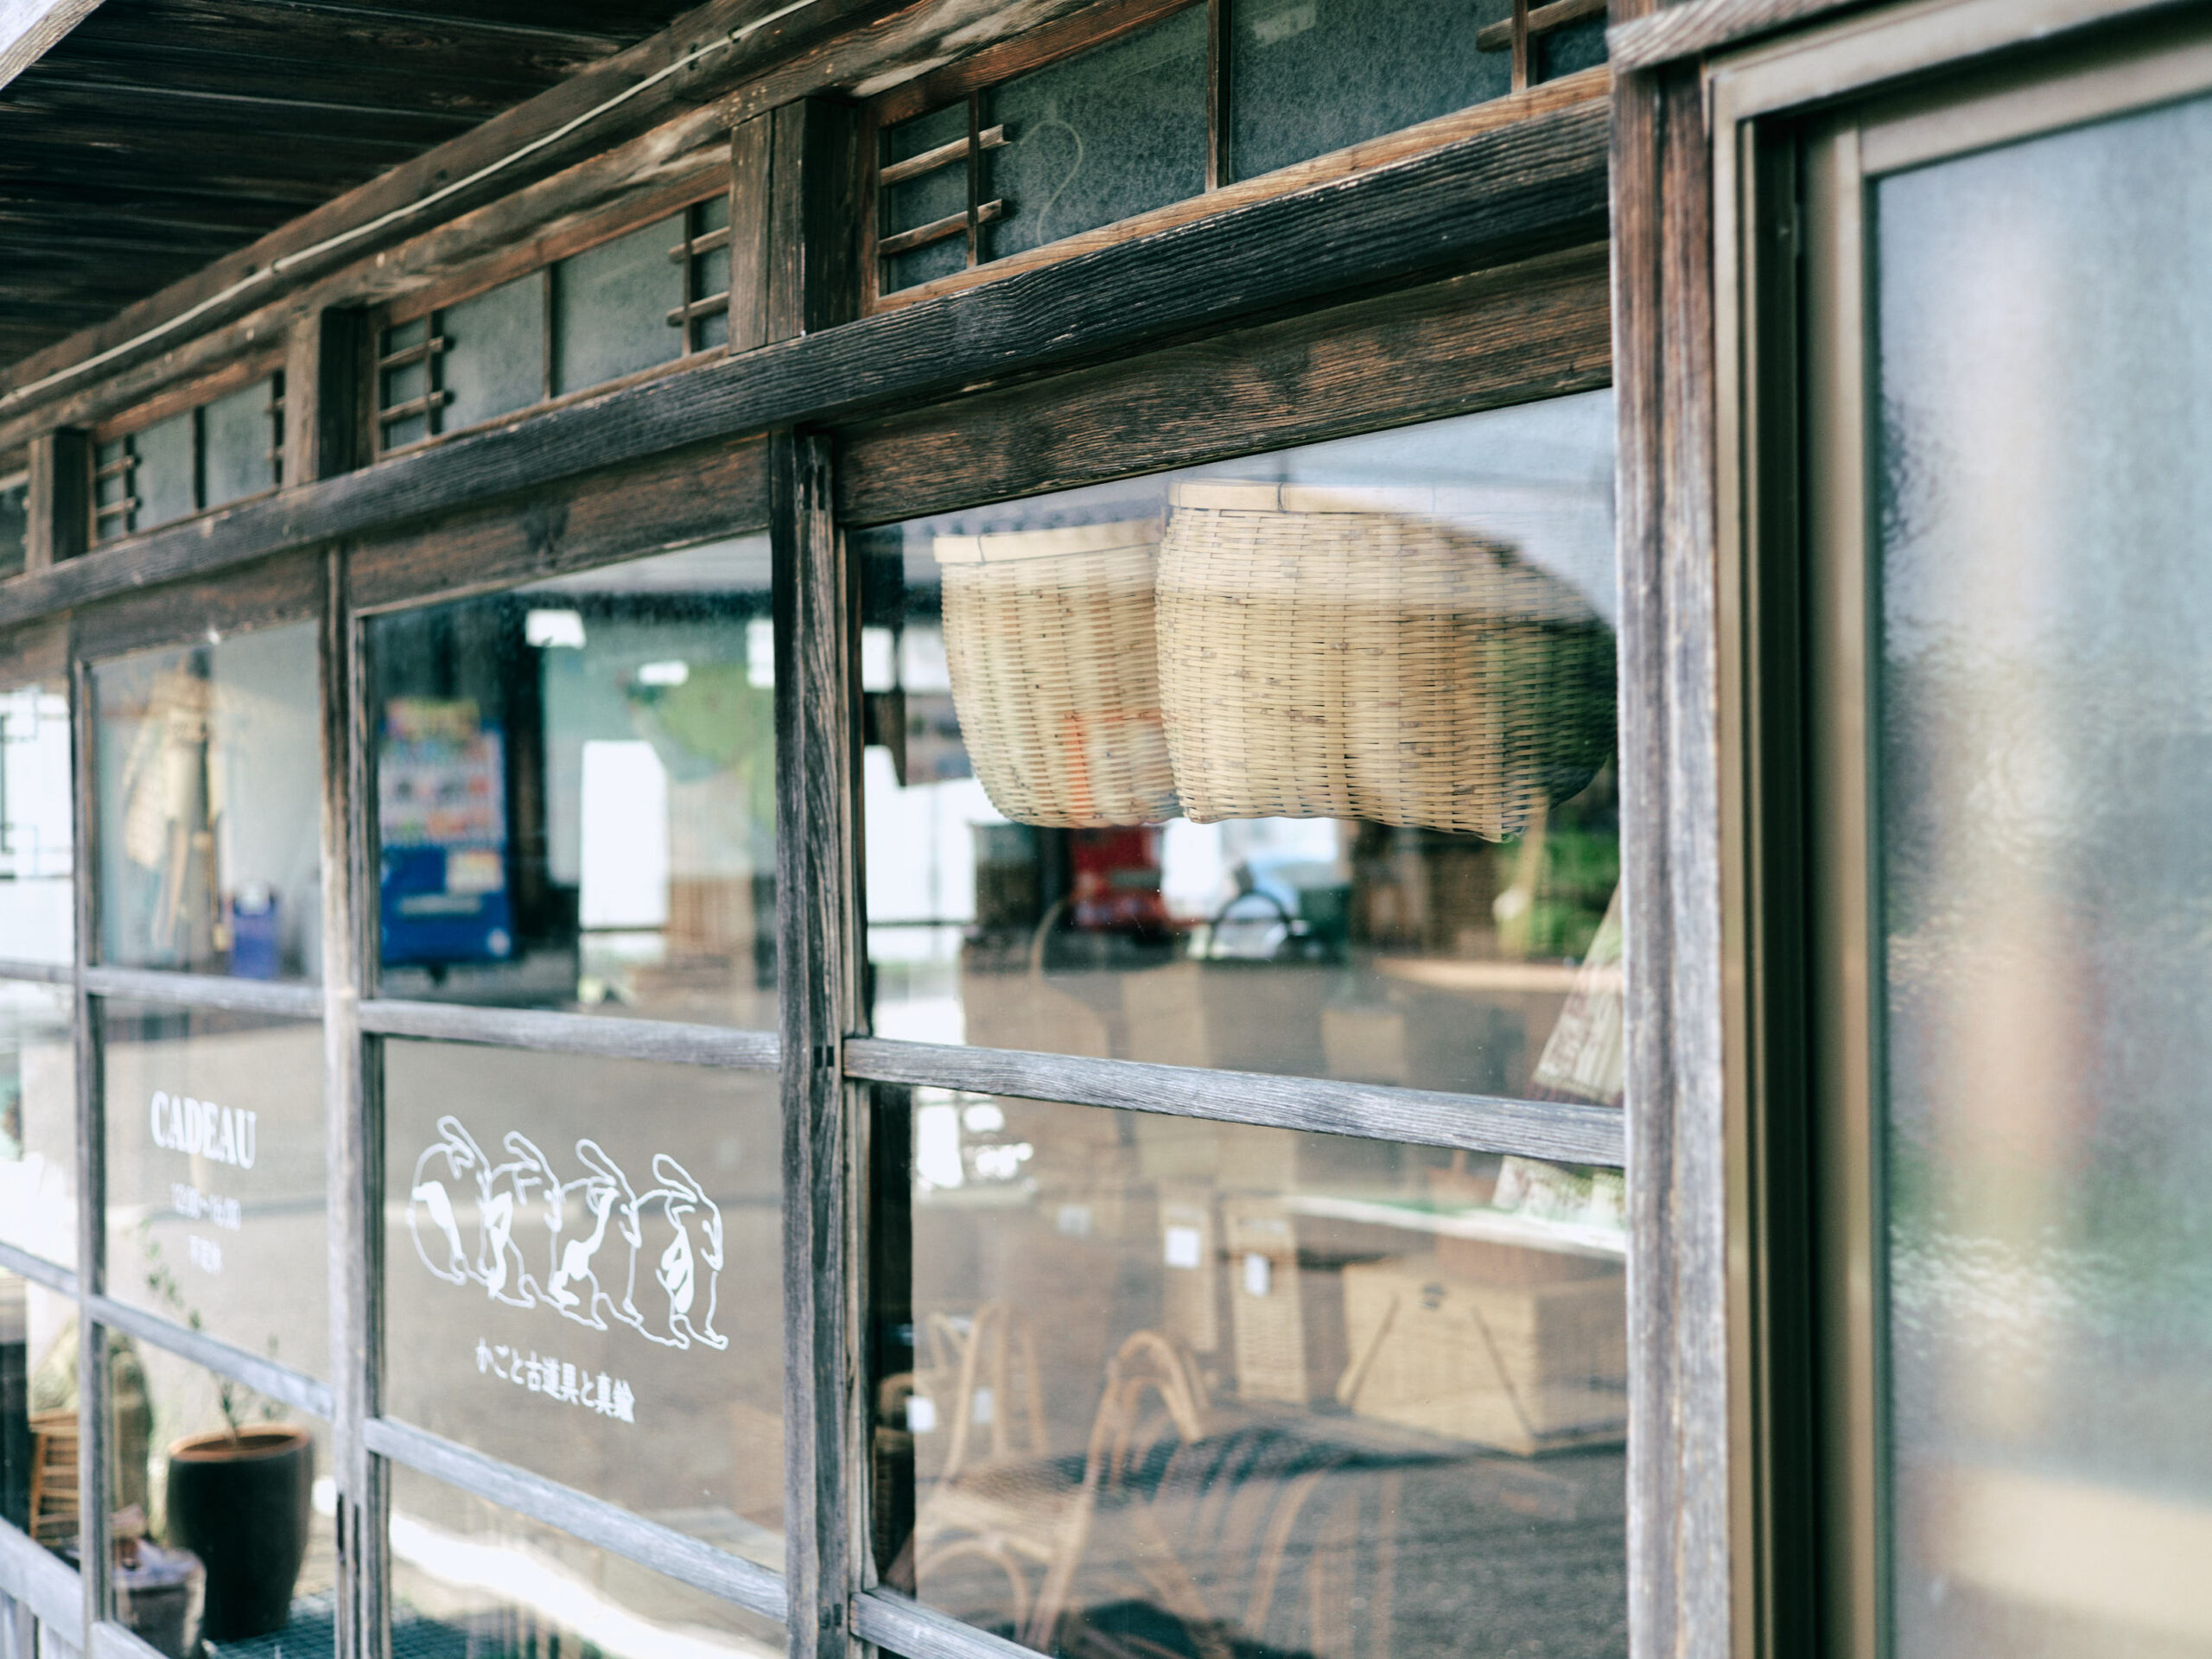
x=29 y=29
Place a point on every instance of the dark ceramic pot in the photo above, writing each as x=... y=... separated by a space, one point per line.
x=243 y=1505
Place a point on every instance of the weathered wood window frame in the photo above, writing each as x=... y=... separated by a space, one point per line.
x=536 y=258
x=966 y=81
x=118 y=431
x=1485 y=280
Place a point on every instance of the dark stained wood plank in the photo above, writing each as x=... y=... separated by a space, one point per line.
x=322 y=356
x=1539 y=329
x=59 y=508
x=816 y=747
x=676 y=499
x=1491 y=198
x=276 y=592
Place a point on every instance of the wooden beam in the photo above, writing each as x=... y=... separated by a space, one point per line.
x=1537 y=329
x=795 y=215
x=1491 y=198
x=59 y=504
x=322 y=424
x=31 y=28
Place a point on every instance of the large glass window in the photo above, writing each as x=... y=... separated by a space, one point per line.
x=575 y=792
x=217 y=1175
x=583 y=1276
x=38 y=1121
x=1299 y=764
x=210 y=803
x=222 y=1531
x=37 y=913
x=1191 y=1388
x=470 y=1577
x=38 y=1419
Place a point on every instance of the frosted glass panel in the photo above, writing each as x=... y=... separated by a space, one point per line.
x=163 y=480
x=1100 y=137
x=2045 y=781
x=494 y=360
x=611 y=306
x=1310 y=76
x=241 y=434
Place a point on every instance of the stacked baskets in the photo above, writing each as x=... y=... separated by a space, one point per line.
x=1297 y=653
x=1048 y=635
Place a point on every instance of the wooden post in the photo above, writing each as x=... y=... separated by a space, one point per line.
x=61 y=503
x=816 y=877
x=794 y=222
x=321 y=400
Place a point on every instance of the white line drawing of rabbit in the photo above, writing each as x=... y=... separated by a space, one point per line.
x=531 y=1170
x=611 y=1200
x=462 y=1156
x=677 y=1271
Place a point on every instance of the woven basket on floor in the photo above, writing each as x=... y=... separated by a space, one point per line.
x=1323 y=657
x=1049 y=637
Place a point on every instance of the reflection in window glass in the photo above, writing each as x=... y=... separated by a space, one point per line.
x=38 y=1121
x=37 y=919
x=224 y=1524
x=38 y=1416
x=472 y=1579
x=1181 y=1387
x=210 y=803
x=576 y=791
x=217 y=1156
x=587 y=1279
x=1297 y=764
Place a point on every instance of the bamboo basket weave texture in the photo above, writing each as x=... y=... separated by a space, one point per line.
x=1049 y=637
x=1328 y=655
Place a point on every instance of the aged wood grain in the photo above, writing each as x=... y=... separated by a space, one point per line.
x=1673 y=33
x=276 y=592
x=1573 y=1133
x=1583 y=86
x=673 y=501
x=59 y=506
x=540 y=1030
x=1493 y=198
x=1679 y=1600
x=899 y=1625
x=815 y=874
x=37 y=1577
x=1537 y=329
x=263 y=1375
x=206 y=991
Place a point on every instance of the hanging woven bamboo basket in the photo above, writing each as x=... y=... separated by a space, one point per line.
x=1050 y=641
x=1328 y=656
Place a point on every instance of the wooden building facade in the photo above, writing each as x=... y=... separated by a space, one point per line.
x=1124 y=828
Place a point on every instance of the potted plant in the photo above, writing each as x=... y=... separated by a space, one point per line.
x=239 y=1497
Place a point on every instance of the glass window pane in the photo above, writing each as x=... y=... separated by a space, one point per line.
x=38 y=1421
x=2044 y=894
x=938 y=193
x=37 y=908
x=217 y=1162
x=242 y=434
x=1579 y=45
x=472 y=1580
x=15 y=526
x=588 y=1278
x=576 y=791
x=494 y=360
x=38 y=1121
x=210 y=803
x=225 y=1512
x=1297 y=764
x=1310 y=76
x=1161 y=1386
x=166 y=480
x=1099 y=136
x=611 y=306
